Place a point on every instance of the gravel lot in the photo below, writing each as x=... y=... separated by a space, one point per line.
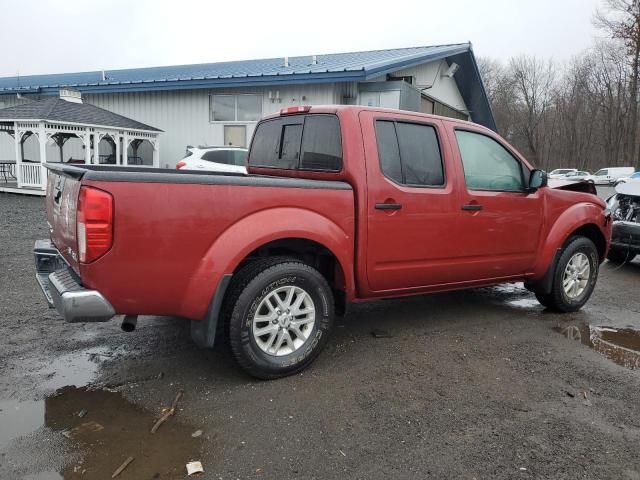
x=469 y=385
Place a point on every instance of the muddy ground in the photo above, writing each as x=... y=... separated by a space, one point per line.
x=475 y=384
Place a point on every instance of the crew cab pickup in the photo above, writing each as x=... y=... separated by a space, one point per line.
x=342 y=204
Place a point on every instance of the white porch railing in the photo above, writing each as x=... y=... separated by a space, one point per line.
x=31 y=175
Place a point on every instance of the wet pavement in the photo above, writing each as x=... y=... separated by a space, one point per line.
x=475 y=384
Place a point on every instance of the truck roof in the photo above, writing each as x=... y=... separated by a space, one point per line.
x=335 y=109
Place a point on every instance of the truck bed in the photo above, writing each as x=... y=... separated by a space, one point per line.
x=172 y=228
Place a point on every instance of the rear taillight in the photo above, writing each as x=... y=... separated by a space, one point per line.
x=95 y=223
x=298 y=109
x=180 y=164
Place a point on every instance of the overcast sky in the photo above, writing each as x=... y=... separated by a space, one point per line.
x=53 y=36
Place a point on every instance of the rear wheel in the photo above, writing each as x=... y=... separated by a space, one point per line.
x=574 y=277
x=281 y=312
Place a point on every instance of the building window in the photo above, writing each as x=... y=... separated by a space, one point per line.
x=235 y=108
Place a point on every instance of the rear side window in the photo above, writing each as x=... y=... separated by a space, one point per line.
x=321 y=144
x=409 y=153
x=240 y=158
x=301 y=142
x=219 y=156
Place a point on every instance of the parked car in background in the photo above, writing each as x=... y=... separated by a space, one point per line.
x=215 y=159
x=633 y=178
x=609 y=176
x=625 y=211
x=561 y=172
x=577 y=175
x=343 y=204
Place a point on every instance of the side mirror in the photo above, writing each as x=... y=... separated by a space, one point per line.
x=537 y=179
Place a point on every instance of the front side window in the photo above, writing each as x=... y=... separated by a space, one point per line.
x=235 y=108
x=487 y=164
x=301 y=142
x=409 y=153
x=601 y=173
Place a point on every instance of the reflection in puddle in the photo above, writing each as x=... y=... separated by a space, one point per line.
x=622 y=345
x=112 y=429
x=18 y=419
x=75 y=368
x=525 y=303
x=104 y=429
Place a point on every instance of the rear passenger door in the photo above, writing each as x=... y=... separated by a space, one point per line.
x=412 y=207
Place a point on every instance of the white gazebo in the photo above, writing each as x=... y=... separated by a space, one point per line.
x=60 y=118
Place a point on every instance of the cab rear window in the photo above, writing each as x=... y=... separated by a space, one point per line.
x=298 y=142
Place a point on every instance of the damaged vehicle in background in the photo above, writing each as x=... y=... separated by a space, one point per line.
x=625 y=211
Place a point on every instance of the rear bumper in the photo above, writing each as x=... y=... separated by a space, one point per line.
x=63 y=290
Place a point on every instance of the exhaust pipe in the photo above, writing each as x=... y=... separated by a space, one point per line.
x=129 y=323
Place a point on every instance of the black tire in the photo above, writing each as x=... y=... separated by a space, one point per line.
x=557 y=299
x=620 y=256
x=251 y=285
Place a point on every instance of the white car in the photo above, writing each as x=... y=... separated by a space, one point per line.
x=577 y=175
x=215 y=159
x=635 y=178
x=561 y=172
x=609 y=176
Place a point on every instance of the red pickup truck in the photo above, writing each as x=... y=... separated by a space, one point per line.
x=342 y=204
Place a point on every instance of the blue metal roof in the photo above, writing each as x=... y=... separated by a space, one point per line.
x=335 y=67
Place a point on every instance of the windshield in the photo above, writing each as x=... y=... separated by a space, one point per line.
x=561 y=171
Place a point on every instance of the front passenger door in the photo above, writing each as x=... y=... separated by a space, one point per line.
x=501 y=221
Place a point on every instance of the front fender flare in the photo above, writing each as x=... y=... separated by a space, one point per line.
x=569 y=221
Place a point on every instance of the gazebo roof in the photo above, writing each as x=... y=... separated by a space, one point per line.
x=59 y=110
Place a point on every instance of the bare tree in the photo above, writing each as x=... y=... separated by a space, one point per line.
x=621 y=20
x=533 y=81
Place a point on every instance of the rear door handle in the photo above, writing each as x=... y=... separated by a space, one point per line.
x=388 y=206
x=472 y=207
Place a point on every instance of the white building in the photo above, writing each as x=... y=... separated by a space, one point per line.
x=220 y=103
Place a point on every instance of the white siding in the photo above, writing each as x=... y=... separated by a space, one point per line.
x=443 y=89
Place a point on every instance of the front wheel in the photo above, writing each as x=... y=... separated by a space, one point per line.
x=281 y=315
x=574 y=277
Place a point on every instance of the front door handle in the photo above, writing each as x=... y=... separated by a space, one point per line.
x=388 y=206
x=473 y=207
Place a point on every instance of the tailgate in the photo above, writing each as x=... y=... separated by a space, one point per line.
x=61 y=203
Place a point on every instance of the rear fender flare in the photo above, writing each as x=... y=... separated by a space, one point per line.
x=255 y=230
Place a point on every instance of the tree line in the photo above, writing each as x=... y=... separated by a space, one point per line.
x=582 y=113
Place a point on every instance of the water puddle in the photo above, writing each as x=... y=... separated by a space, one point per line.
x=73 y=369
x=105 y=429
x=111 y=429
x=18 y=419
x=622 y=345
x=525 y=303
